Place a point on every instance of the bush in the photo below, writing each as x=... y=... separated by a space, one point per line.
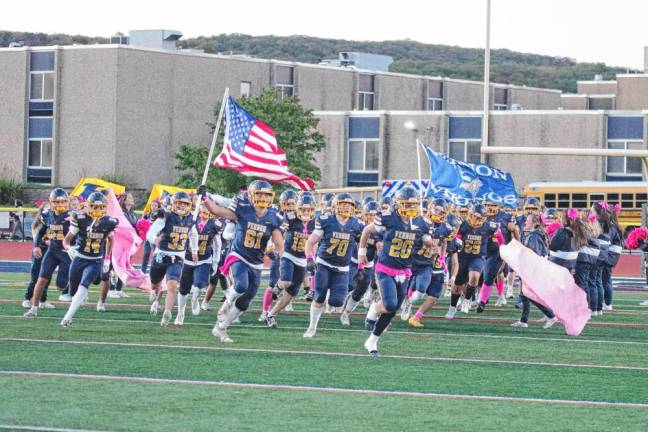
x=10 y=190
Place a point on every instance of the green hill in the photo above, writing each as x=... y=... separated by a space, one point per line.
x=409 y=56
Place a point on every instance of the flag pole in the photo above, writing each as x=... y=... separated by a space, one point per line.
x=215 y=137
x=418 y=167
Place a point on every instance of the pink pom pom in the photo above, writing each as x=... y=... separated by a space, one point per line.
x=604 y=205
x=572 y=213
x=617 y=208
x=499 y=238
x=553 y=227
x=636 y=236
x=591 y=217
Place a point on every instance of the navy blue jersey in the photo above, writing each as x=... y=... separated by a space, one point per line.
x=425 y=256
x=252 y=231
x=175 y=234
x=57 y=226
x=399 y=238
x=296 y=234
x=206 y=236
x=372 y=243
x=336 y=239
x=504 y=219
x=90 y=240
x=475 y=240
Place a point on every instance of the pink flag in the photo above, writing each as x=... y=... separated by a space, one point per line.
x=125 y=243
x=550 y=285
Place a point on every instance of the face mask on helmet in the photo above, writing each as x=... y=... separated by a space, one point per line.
x=345 y=209
x=463 y=212
x=491 y=209
x=262 y=199
x=97 y=209
x=437 y=214
x=531 y=210
x=288 y=206
x=306 y=212
x=409 y=208
x=60 y=205
x=181 y=206
x=476 y=220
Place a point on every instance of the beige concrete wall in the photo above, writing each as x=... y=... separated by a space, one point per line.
x=86 y=117
x=583 y=130
x=400 y=93
x=574 y=102
x=596 y=87
x=332 y=161
x=632 y=92
x=534 y=99
x=460 y=95
x=322 y=89
x=13 y=114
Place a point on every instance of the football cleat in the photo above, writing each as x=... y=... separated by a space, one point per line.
x=26 y=304
x=481 y=307
x=155 y=307
x=310 y=294
x=550 y=322
x=310 y=332
x=519 y=324
x=205 y=305
x=344 y=318
x=371 y=346
x=263 y=316
x=221 y=333
x=65 y=298
x=271 y=321
x=465 y=306
x=45 y=305
x=31 y=313
x=415 y=322
x=152 y=295
x=289 y=307
x=406 y=310
x=452 y=311
x=115 y=294
x=101 y=307
x=166 y=319
x=501 y=301
x=65 y=322
x=607 y=307
x=179 y=319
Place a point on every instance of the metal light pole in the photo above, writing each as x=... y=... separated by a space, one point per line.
x=486 y=77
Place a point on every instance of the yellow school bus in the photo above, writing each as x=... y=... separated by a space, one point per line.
x=563 y=195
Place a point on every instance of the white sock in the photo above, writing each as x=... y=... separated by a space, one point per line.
x=182 y=303
x=372 y=313
x=315 y=314
x=351 y=304
x=373 y=338
x=76 y=302
x=416 y=297
x=233 y=314
x=195 y=292
x=231 y=295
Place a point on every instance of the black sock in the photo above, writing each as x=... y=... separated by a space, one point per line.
x=454 y=299
x=470 y=291
x=383 y=322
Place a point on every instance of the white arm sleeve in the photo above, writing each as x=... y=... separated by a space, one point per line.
x=193 y=240
x=154 y=230
x=217 y=247
x=220 y=200
x=230 y=231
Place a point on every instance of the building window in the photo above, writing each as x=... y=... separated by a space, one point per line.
x=40 y=153
x=500 y=100
x=363 y=155
x=435 y=96
x=624 y=166
x=284 y=82
x=41 y=86
x=366 y=92
x=465 y=150
x=245 y=88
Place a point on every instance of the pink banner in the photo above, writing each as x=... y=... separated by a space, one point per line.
x=125 y=243
x=550 y=285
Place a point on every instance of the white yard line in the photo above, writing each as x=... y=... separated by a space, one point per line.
x=44 y=428
x=325 y=389
x=325 y=353
x=349 y=330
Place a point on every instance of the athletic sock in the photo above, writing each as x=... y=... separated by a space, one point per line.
x=350 y=304
x=232 y=315
x=418 y=315
x=470 y=291
x=382 y=323
x=182 y=302
x=485 y=293
x=76 y=302
x=500 y=287
x=454 y=299
x=416 y=297
x=372 y=314
x=315 y=314
x=267 y=299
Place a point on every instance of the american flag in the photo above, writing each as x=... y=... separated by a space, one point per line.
x=251 y=149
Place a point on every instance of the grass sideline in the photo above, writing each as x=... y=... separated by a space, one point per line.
x=456 y=360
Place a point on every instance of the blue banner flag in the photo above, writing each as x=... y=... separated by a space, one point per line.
x=463 y=182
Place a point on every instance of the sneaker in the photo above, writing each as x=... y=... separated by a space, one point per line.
x=155 y=307
x=31 y=313
x=452 y=311
x=344 y=318
x=415 y=322
x=289 y=307
x=519 y=324
x=66 y=322
x=550 y=322
x=501 y=301
x=371 y=347
x=465 y=306
x=65 y=298
x=644 y=303
x=309 y=296
x=115 y=294
x=263 y=316
x=179 y=319
x=45 y=305
x=607 y=307
x=406 y=311
x=310 y=332
x=101 y=307
x=26 y=304
x=205 y=305
x=271 y=321
x=480 y=307
x=369 y=324
x=221 y=333
x=166 y=318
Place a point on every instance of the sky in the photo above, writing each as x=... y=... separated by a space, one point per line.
x=613 y=32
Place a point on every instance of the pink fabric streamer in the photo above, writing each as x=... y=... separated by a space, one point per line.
x=553 y=227
x=125 y=243
x=142 y=226
x=499 y=238
x=390 y=271
x=550 y=285
x=231 y=259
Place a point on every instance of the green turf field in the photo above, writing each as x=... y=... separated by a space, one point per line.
x=120 y=370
